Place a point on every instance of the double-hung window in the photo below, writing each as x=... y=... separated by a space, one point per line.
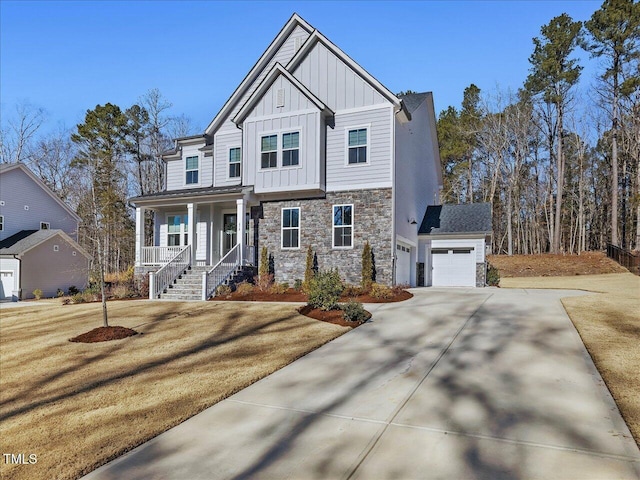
x=342 y=226
x=177 y=227
x=191 y=168
x=357 y=145
x=234 y=162
x=269 y=151
x=291 y=227
x=45 y=225
x=290 y=149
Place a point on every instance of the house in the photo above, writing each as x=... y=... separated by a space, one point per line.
x=38 y=238
x=453 y=243
x=309 y=150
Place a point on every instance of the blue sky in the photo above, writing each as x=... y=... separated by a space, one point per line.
x=69 y=56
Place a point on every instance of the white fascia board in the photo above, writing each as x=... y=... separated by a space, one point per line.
x=275 y=72
x=262 y=62
x=65 y=237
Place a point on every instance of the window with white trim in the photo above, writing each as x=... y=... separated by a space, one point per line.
x=342 y=226
x=291 y=227
x=45 y=226
x=234 y=162
x=191 y=169
x=177 y=228
x=290 y=149
x=357 y=145
x=269 y=151
x=1 y=223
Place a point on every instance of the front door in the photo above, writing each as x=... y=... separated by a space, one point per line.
x=229 y=233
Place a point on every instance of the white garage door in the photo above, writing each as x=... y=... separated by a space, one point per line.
x=6 y=285
x=403 y=265
x=453 y=267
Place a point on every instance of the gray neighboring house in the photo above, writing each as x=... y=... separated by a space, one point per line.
x=454 y=241
x=38 y=238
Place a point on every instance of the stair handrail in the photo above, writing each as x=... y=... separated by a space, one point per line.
x=166 y=275
x=220 y=272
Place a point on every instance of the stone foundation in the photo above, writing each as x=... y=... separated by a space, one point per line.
x=481 y=274
x=372 y=214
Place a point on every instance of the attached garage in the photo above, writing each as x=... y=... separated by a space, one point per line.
x=453 y=241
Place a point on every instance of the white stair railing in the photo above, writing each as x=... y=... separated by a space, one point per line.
x=220 y=272
x=158 y=255
x=164 y=277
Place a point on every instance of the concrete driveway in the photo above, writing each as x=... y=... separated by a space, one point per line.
x=452 y=384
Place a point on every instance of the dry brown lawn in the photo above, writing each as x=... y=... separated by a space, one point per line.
x=77 y=406
x=609 y=324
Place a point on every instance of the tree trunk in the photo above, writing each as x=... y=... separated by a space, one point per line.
x=614 y=159
x=555 y=246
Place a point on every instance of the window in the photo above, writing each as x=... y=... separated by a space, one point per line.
x=1 y=223
x=56 y=248
x=234 y=162
x=342 y=226
x=290 y=149
x=357 y=140
x=44 y=226
x=269 y=149
x=291 y=227
x=177 y=227
x=192 y=170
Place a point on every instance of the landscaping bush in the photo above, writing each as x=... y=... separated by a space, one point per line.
x=493 y=276
x=279 y=288
x=381 y=292
x=263 y=268
x=367 y=266
x=121 y=291
x=354 y=312
x=223 y=290
x=77 y=298
x=353 y=291
x=309 y=272
x=325 y=289
x=59 y=293
x=297 y=284
x=244 y=288
x=263 y=282
x=73 y=290
x=37 y=293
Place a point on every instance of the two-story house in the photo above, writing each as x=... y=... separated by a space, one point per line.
x=310 y=150
x=38 y=238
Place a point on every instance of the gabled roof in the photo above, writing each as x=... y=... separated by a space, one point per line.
x=413 y=100
x=277 y=71
x=461 y=219
x=7 y=167
x=260 y=65
x=23 y=241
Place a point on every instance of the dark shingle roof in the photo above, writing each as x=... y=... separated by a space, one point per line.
x=413 y=100
x=447 y=219
x=24 y=240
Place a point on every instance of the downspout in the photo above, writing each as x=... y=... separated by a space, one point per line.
x=393 y=196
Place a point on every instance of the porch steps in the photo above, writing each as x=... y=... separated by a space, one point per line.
x=187 y=287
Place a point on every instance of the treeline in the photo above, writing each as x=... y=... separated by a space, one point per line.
x=562 y=173
x=95 y=167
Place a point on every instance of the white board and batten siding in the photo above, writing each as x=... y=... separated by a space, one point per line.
x=176 y=169
x=223 y=142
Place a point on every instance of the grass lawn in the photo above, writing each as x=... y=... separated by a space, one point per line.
x=77 y=406
x=609 y=324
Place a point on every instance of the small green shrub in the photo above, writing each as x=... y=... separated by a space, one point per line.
x=309 y=273
x=263 y=268
x=77 y=298
x=493 y=276
x=381 y=292
x=90 y=296
x=223 y=290
x=60 y=293
x=297 y=284
x=325 y=289
x=367 y=266
x=279 y=288
x=353 y=291
x=354 y=312
x=73 y=290
x=37 y=293
x=244 y=288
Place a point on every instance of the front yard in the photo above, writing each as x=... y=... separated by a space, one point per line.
x=77 y=406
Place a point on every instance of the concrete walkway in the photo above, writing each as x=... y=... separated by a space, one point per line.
x=452 y=384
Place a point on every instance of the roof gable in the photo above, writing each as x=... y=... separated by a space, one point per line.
x=25 y=240
x=461 y=219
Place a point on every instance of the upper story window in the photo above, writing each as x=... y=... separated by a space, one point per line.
x=342 y=226
x=1 y=223
x=291 y=227
x=191 y=168
x=290 y=149
x=269 y=151
x=357 y=145
x=234 y=162
x=44 y=226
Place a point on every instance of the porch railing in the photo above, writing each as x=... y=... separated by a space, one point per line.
x=224 y=268
x=164 y=277
x=158 y=255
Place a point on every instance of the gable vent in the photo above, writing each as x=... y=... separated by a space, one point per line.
x=280 y=98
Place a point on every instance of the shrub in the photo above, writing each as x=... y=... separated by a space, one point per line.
x=325 y=289
x=223 y=290
x=279 y=288
x=121 y=291
x=77 y=298
x=381 y=292
x=263 y=268
x=367 y=266
x=354 y=312
x=73 y=290
x=37 y=293
x=297 y=284
x=493 y=276
x=353 y=291
x=244 y=288
x=263 y=282
x=59 y=293
x=309 y=273
x=90 y=296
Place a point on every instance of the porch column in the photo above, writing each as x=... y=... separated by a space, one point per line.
x=139 y=234
x=191 y=220
x=240 y=225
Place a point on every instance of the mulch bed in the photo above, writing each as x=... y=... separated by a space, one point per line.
x=293 y=295
x=104 y=334
x=329 y=316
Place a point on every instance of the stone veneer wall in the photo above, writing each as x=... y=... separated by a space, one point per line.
x=372 y=213
x=481 y=274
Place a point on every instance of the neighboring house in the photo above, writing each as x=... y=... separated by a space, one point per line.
x=453 y=243
x=310 y=149
x=38 y=238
